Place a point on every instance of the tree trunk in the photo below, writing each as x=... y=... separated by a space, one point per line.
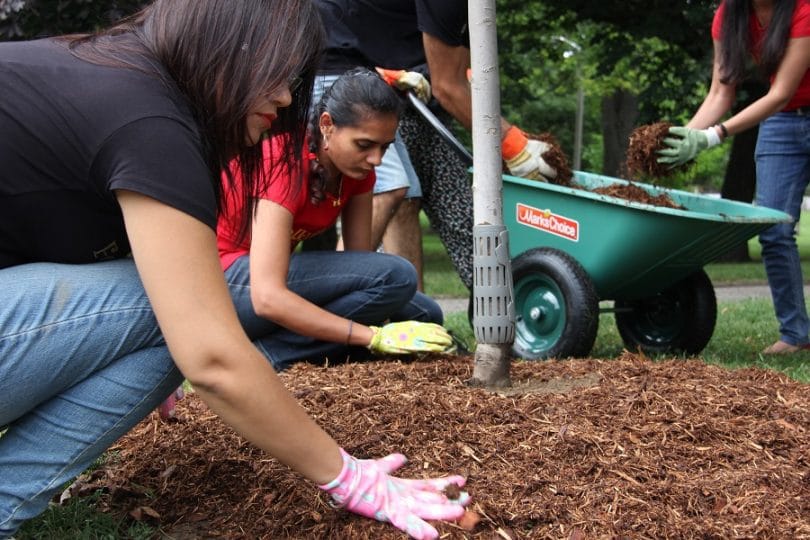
x=619 y=116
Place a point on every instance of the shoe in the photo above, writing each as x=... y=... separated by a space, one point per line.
x=780 y=347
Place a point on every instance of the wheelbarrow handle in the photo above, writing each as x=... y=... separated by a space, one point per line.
x=437 y=124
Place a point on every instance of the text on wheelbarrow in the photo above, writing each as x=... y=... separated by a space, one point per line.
x=547 y=221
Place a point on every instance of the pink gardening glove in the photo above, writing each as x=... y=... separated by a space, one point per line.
x=166 y=409
x=365 y=487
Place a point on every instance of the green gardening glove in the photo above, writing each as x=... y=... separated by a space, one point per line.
x=409 y=337
x=687 y=145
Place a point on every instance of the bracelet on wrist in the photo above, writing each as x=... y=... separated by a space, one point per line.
x=723 y=130
x=349 y=337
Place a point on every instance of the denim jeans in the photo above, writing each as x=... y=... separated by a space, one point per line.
x=81 y=362
x=364 y=286
x=783 y=170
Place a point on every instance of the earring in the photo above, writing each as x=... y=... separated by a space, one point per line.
x=325 y=143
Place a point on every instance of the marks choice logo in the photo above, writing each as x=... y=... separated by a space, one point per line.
x=548 y=222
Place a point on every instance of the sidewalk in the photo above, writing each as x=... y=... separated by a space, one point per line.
x=723 y=294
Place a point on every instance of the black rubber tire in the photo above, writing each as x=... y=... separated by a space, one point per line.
x=556 y=306
x=678 y=320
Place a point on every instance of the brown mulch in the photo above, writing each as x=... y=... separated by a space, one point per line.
x=625 y=448
x=642 y=160
x=650 y=136
x=556 y=159
x=632 y=192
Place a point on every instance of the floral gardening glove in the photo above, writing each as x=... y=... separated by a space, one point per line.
x=409 y=337
x=407 y=80
x=523 y=156
x=687 y=144
x=365 y=487
x=166 y=409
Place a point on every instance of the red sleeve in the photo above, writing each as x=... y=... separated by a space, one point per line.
x=717 y=22
x=800 y=26
x=280 y=189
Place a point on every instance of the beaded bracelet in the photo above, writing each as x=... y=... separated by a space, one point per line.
x=723 y=129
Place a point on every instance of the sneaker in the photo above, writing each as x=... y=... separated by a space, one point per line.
x=780 y=347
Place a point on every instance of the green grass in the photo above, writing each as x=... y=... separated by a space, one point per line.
x=79 y=519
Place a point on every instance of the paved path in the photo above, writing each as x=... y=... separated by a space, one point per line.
x=724 y=294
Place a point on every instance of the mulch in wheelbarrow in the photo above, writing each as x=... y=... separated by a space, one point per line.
x=624 y=448
x=640 y=165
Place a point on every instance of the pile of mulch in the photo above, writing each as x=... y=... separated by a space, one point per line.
x=632 y=192
x=624 y=448
x=643 y=142
x=642 y=158
x=556 y=159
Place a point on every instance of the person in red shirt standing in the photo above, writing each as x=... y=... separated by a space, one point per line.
x=328 y=305
x=776 y=33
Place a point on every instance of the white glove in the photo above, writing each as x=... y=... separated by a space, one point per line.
x=524 y=156
x=407 y=80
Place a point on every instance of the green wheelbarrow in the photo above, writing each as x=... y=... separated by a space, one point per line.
x=572 y=248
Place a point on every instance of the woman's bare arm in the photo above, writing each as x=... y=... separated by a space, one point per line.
x=356 y=223
x=721 y=96
x=182 y=277
x=269 y=265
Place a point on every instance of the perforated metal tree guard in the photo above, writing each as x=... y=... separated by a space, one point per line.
x=493 y=305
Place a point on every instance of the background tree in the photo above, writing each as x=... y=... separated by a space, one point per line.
x=645 y=61
x=29 y=19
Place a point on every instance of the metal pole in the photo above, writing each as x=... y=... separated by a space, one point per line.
x=493 y=311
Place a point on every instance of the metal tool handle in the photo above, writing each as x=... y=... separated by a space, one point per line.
x=437 y=124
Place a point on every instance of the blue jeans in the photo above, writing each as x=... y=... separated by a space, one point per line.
x=364 y=286
x=82 y=361
x=783 y=170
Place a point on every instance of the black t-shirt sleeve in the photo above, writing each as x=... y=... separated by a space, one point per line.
x=161 y=158
x=445 y=20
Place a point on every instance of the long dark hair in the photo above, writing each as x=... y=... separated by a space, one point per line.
x=223 y=55
x=736 y=44
x=354 y=96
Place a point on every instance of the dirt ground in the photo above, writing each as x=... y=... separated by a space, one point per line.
x=624 y=448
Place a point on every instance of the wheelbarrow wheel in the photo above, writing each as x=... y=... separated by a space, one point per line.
x=556 y=306
x=677 y=320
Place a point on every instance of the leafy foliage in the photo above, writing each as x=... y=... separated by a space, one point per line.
x=29 y=19
x=658 y=51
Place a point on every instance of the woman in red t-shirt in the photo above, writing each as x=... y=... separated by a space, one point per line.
x=776 y=33
x=327 y=305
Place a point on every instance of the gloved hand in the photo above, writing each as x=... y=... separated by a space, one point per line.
x=524 y=157
x=407 y=80
x=166 y=409
x=365 y=487
x=687 y=145
x=409 y=337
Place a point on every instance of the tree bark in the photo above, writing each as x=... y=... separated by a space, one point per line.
x=619 y=116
